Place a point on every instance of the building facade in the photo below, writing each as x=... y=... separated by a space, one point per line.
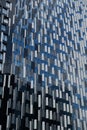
x=4 y=31
x=47 y=84
x=6 y=7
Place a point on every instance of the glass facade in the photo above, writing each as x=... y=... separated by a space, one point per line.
x=47 y=84
x=5 y=41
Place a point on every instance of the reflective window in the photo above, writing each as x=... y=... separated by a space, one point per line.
x=7 y=4
x=0 y=56
x=0 y=66
x=6 y=20
x=5 y=11
x=3 y=27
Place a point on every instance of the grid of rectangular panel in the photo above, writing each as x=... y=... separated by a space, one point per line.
x=50 y=49
x=4 y=31
x=47 y=87
x=24 y=109
x=5 y=35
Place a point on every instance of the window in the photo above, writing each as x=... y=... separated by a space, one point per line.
x=64 y=76
x=3 y=27
x=1 y=78
x=0 y=66
x=0 y=9
x=80 y=10
x=86 y=51
x=0 y=91
x=6 y=20
x=7 y=4
x=5 y=38
x=74 y=90
x=80 y=22
x=5 y=11
x=78 y=46
x=85 y=83
x=69 y=36
x=0 y=56
x=86 y=67
x=4 y=47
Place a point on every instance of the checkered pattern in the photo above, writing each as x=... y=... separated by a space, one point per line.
x=47 y=86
